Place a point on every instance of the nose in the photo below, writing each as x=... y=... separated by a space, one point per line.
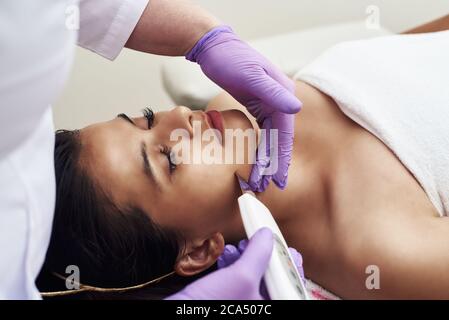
x=182 y=119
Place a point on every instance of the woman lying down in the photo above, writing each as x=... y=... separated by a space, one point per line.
x=368 y=189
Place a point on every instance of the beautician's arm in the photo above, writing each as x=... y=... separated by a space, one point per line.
x=170 y=27
x=440 y=24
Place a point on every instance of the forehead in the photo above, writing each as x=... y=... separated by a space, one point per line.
x=110 y=154
x=103 y=143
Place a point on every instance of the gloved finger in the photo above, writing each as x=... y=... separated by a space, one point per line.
x=228 y=257
x=242 y=245
x=284 y=123
x=259 y=178
x=264 y=291
x=274 y=94
x=257 y=254
x=297 y=259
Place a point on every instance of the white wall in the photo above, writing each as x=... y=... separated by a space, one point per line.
x=99 y=89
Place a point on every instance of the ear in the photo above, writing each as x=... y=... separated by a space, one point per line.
x=200 y=255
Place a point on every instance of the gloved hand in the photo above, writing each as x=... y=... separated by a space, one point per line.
x=232 y=254
x=256 y=83
x=241 y=280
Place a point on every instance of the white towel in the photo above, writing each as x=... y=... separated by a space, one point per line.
x=396 y=87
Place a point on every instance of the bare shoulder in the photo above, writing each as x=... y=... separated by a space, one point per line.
x=439 y=24
x=386 y=225
x=381 y=221
x=395 y=256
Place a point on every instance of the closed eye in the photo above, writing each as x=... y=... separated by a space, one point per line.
x=149 y=115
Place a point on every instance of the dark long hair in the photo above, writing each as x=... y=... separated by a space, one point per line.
x=111 y=246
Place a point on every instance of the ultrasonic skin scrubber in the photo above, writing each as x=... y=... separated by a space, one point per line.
x=282 y=280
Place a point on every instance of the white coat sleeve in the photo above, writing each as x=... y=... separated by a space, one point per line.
x=106 y=25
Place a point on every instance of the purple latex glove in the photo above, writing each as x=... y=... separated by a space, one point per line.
x=232 y=254
x=241 y=280
x=256 y=83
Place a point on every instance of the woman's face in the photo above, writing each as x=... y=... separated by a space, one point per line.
x=129 y=161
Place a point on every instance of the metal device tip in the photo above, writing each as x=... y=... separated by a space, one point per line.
x=244 y=186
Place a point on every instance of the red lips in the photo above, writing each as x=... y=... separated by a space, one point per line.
x=216 y=121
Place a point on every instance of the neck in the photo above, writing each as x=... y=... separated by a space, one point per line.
x=303 y=199
x=306 y=200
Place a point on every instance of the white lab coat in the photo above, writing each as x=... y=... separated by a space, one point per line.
x=37 y=40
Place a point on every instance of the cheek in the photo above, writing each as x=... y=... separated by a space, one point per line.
x=204 y=197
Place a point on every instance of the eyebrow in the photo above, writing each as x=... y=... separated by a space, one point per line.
x=148 y=169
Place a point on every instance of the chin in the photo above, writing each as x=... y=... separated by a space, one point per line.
x=237 y=119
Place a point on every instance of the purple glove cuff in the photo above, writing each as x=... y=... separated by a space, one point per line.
x=198 y=47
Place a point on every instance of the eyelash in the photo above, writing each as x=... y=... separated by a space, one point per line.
x=149 y=114
x=168 y=153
